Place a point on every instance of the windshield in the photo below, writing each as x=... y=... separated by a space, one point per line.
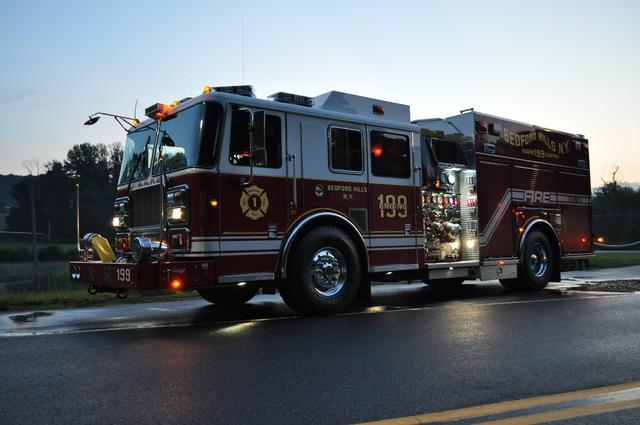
x=137 y=155
x=180 y=138
x=189 y=140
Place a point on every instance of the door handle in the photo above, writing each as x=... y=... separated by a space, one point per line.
x=294 y=201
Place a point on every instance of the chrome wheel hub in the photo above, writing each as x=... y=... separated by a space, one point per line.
x=328 y=271
x=538 y=262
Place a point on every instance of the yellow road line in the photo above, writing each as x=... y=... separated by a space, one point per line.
x=505 y=406
x=572 y=412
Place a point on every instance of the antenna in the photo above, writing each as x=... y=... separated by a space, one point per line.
x=78 y=216
x=135 y=110
x=242 y=37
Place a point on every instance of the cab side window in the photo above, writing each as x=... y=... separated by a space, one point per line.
x=239 y=154
x=345 y=148
x=390 y=155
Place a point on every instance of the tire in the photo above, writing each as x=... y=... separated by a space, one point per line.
x=324 y=273
x=229 y=297
x=536 y=261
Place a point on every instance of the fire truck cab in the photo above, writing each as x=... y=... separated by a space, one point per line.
x=226 y=193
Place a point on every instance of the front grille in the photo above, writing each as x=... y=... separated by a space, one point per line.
x=144 y=207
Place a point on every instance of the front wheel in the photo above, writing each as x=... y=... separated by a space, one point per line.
x=229 y=297
x=324 y=275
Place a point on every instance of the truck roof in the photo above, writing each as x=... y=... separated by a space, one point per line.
x=483 y=114
x=333 y=105
x=454 y=122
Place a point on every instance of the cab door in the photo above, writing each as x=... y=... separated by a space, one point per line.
x=392 y=201
x=253 y=196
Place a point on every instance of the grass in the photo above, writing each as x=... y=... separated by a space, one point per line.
x=615 y=259
x=27 y=245
x=10 y=270
x=18 y=277
x=67 y=298
x=22 y=252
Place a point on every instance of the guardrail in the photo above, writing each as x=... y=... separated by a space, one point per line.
x=609 y=247
x=7 y=236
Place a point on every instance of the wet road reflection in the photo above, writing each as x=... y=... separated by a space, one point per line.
x=385 y=298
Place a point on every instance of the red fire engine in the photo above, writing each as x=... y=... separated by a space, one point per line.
x=225 y=193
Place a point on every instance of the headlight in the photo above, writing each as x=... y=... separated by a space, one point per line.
x=117 y=221
x=120 y=205
x=177 y=196
x=177 y=214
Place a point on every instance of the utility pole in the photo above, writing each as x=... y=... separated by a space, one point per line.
x=78 y=217
x=33 y=169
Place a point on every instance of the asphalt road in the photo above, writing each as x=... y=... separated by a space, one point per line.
x=414 y=350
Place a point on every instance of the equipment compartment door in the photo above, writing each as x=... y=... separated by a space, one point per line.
x=495 y=220
x=392 y=201
x=574 y=198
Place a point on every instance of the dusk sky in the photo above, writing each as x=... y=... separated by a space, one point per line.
x=567 y=65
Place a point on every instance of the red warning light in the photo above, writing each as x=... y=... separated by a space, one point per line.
x=378 y=109
x=377 y=151
x=482 y=127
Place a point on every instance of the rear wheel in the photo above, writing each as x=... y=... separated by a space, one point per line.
x=324 y=274
x=229 y=297
x=536 y=262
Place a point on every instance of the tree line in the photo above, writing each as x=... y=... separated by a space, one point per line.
x=95 y=168
x=616 y=213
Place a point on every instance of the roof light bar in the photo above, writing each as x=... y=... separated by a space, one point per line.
x=158 y=111
x=239 y=90
x=295 y=99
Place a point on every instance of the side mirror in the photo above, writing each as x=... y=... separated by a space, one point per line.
x=92 y=120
